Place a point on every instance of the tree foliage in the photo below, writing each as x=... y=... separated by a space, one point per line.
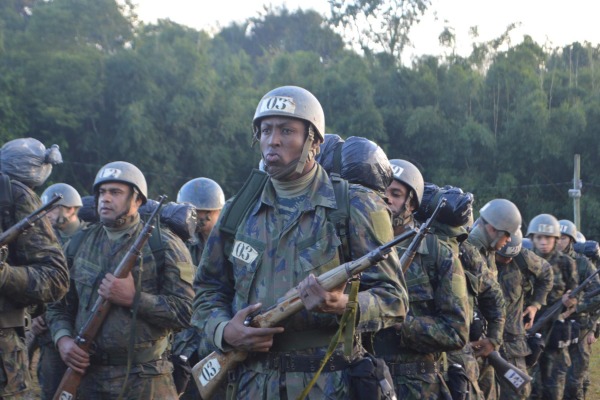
x=504 y=121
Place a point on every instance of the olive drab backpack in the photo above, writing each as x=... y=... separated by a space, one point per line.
x=246 y=198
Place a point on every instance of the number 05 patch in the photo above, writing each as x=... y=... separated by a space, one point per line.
x=244 y=252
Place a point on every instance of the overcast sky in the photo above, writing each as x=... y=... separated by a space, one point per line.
x=550 y=22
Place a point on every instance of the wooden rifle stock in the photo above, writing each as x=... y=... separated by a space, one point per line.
x=67 y=390
x=553 y=312
x=409 y=255
x=14 y=231
x=211 y=371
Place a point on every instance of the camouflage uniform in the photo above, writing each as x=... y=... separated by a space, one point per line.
x=436 y=322
x=35 y=272
x=163 y=305
x=549 y=375
x=580 y=350
x=282 y=241
x=190 y=342
x=516 y=280
x=51 y=367
x=490 y=306
x=484 y=294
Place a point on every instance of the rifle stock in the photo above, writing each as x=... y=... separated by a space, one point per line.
x=14 y=231
x=513 y=376
x=211 y=371
x=67 y=390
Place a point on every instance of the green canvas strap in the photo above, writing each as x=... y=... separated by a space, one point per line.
x=243 y=201
x=349 y=320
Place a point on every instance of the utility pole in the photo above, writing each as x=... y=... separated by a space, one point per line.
x=575 y=193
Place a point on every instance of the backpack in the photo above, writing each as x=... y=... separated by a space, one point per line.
x=253 y=187
x=6 y=201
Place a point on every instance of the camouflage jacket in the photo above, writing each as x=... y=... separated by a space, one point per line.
x=485 y=292
x=196 y=247
x=165 y=299
x=35 y=271
x=516 y=283
x=565 y=274
x=539 y=278
x=276 y=246
x=437 y=320
x=585 y=269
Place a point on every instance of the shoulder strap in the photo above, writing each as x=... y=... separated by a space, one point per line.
x=243 y=201
x=340 y=217
x=73 y=246
x=520 y=260
x=156 y=245
x=6 y=200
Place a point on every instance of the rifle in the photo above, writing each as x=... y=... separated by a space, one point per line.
x=71 y=379
x=210 y=372
x=14 y=231
x=409 y=255
x=553 y=312
x=508 y=372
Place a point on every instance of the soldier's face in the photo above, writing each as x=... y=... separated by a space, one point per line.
x=563 y=242
x=281 y=140
x=544 y=244
x=116 y=200
x=60 y=215
x=397 y=194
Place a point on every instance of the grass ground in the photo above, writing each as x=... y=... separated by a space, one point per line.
x=594 y=389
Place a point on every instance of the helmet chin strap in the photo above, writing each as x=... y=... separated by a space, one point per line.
x=403 y=216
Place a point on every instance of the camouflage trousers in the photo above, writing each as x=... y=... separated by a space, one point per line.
x=550 y=375
x=149 y=381
x=487 y=380
x=423 y=387
x=580 y=362
x=15 y=380
x=466 y=359
x=51 y=367
x=506 y=391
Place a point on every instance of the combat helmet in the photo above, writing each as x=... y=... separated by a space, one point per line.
x=513 y=248
x=294 y=102
x=502 y=214
x=568 y=228
x=71 y=197
x=544 y=224
x=202 y=193
x=122 y=172
x=408 y=174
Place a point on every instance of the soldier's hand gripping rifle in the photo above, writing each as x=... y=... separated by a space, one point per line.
x=71 y=380
x=210 y=372
x=553 y=312
x=14 y=231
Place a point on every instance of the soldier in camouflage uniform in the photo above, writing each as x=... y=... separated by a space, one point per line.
x=66 y=223
x=34 y=270
x=208 y=198
x=499 y=220
x=581 y=345
x=549 y=375
x=157 y=298
x=520 y=271
x=189 y=345
x=437 y=318
x=283 y=241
